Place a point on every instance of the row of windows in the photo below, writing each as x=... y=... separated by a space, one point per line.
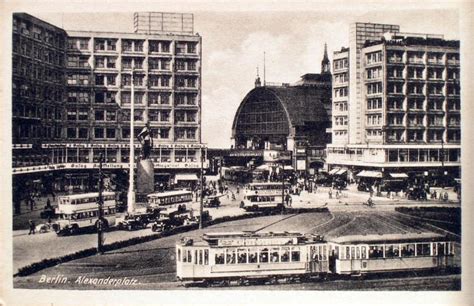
x=340 y=106
x=419 y=104
x=36 y=91
x=396 y=250
x=341 y=63
x=126 y=80
x=111 y=133
x=422 y=155
x=257 y=255
x=37 y=72
x=374 y=119
x=340 y=120
x=35 y=31
x=169 y=200
x=131 y=45
x=341 y=77
x=340 y=92
x=35 y=51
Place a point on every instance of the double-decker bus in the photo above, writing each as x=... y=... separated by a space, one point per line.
x=264 y=195
x=80 y=211
x=169 y=199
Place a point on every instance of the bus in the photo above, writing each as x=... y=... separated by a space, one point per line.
x=169 y=199
x=264 y=195
x=81 y=211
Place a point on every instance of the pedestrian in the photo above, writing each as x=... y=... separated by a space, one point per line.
x=330 y=193
x=32 y=227
x=315 y=189
x=48 y=203
x=290 y=201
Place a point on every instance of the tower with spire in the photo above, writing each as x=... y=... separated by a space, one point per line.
x=258 y=83
x=325 y=64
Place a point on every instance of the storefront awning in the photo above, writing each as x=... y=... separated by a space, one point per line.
x=263 y=167
x=341 y=171
x=186 y=177
x=334 y=171
x=369 y=173
x=398 y=175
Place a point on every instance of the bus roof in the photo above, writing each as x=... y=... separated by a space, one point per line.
x=168 y=193
x=86 y=195
x=266 y=183
x=247 y=234
x=388 y=238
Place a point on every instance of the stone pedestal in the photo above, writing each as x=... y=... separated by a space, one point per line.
x=145 y=177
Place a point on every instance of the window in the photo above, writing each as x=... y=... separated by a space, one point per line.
x=126 y=80
x=241 y=256
x=126 y=45
x=111 y=115
x=126 y=63
x=165 y=81
x=83 y=133
x=110 y=97
x=230 y=256
x=165 y=98
x=376 y=251
x=111 y=62
x=374 y=88
x=295 y=254
x=263 y=255
x=191 y=47
x=110 y=133
x=99 y=115
x=164 y=133
x=423 y=249
x=99 y=79
x=219 y=259
x=99 y=133
x=126 y=97
x=111 y=80
x=83 y=114
x=153 y=63
x=100 y=62
x=99 y=44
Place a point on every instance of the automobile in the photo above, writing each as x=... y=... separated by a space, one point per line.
x=212 y=201
x=48 y=212
x=133 y=222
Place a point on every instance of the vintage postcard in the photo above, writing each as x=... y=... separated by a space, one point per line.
x=236 y=152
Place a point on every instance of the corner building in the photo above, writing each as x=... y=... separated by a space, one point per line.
x=410 y=105
x=94 y=99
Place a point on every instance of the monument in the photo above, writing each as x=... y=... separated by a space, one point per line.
x=145 y=168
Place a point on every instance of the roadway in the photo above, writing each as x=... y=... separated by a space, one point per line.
x=28 y=249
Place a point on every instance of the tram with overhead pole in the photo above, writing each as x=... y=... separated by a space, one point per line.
x=244 y=258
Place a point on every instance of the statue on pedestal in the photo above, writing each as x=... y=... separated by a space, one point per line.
x=145 y=138
x=145 y=167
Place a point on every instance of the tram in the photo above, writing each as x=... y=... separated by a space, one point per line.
x=269 y=195
x=81 y=211
x=245 y=257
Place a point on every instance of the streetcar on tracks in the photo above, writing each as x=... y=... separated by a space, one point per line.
x=264 y=196
x=245 y=258
x=81 y=211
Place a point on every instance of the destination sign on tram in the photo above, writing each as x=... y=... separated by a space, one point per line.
x=256 y=241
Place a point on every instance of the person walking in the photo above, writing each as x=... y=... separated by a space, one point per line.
x=330 y=193
x=32 y=227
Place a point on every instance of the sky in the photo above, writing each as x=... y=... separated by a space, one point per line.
x=234 y=42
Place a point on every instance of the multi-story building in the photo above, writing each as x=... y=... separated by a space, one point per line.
x=410 y=106
x=38 y=88
x=90 y=75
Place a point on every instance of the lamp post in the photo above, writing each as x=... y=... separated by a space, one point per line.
x=131 y=187
x=100 y=203
x=201 y=204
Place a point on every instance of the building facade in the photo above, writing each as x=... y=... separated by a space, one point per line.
x=288 y=122
x=410 y=106
x=90 y=113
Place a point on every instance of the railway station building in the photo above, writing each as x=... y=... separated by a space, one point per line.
x=72 y=97
x=396 y=104
x=285 y=122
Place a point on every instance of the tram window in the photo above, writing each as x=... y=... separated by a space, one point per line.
x=375 y=251
x=179 y=254
x=241 y=256
x=220 y=258
x=348 y=252
x=441 y=248
x=451 y=248
x=230 y=259
x=200 y=257
x=324 y=252
x=392 y=250
x=206 y=257
x=189 y=256
x=363 y=252
x=263 y=255
x=275 y=257
x=336 y=253
x=353 y=252
x=285 y=254
x=358 y=252
x=408 y=250
x=295 y=254
x=423 y=249
x=185 y=258
x=253 y=256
